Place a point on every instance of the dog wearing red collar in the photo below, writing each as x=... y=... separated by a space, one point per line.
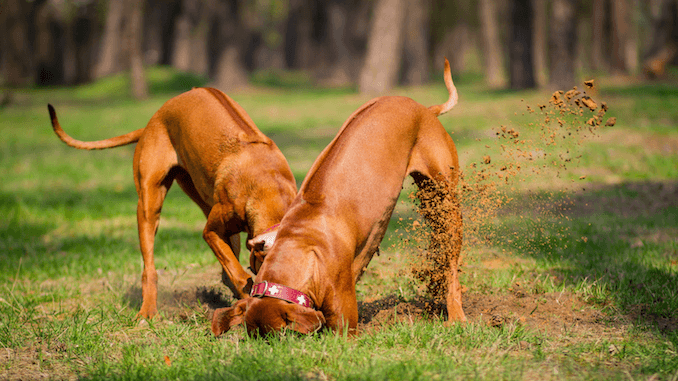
x=340 y=215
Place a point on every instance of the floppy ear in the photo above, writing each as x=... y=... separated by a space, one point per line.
x=225 y=318
x=303 y=319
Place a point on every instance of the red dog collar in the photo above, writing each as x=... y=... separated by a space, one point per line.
x=279 y=291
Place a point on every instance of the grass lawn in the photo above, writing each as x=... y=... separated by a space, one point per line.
x=575 y=276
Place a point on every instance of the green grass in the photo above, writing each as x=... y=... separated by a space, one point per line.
x=582 y=267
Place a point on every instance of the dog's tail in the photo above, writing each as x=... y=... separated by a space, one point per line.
x=454 y=97
x=117 y=141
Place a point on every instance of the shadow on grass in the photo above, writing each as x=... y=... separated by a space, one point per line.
x=169 y=300
x=615 y=243
x=32 y=241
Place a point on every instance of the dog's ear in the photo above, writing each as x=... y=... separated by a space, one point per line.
x=225 y=318
x=303 y=319
x=258 y=247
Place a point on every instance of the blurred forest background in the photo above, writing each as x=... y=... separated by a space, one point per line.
x=370 y=45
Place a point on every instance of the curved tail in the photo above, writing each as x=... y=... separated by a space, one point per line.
x=117 y=141
x=454 y=97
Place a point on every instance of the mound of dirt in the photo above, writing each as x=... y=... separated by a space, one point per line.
x=550 y=313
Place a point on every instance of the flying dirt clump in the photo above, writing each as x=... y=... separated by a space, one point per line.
x=533 y=153
x=441 y=232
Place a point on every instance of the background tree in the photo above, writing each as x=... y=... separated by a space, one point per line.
x=134 y=30
x=453 y=25
x=598 y=20
x=521 y=70
x=230 y=72
x=539 y=41
x=416 y=42
x=14 y=42
x=49 y=35
x=621 y=37
x=371 y=44
x=384 y=47
x=111 y=58
x=662 y=42
x=491 y=43
x=562 y=44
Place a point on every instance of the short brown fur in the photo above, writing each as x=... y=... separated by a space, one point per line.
x=338 y=219
x=207 y=143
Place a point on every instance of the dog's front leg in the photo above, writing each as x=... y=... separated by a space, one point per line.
x=216 y=228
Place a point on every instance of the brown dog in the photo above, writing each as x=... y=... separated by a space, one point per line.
x=340 y=215
x=238 y=177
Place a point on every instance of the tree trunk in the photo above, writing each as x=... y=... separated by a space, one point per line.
x=539 y=44
x=339 y=73
x=492 y=51
x=662 y=47
x=85 y=39
x=598 y=19
x=620 y=36
x=384 y=47
x=230 y=73
x=49 y=36
x=111 y=57
x=299 y=35
x=190 y=52
x=270 y=52
x=15 y=42
x=134 y=41
x=562 y=44
x=452 y=31
x=521 y=71
x=416 y=42
x=156 y=15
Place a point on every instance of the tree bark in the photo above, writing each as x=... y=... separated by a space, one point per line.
x=49 y=37
x=452 y=29
x=620 y=36
x=15 y=42
x=539 y=44
x=562 y=44
x=416 y=42
x=85 y=37
x=492 y=51
x=111 y=57
x=134 y=40
x=157 y=30
x=340 y=71
x=598 y=19
x=230 y=72
x=662 y=45
x=299 y=35
x=384 y=48
x=190 y=52
x=632 y=44
x=521 y=71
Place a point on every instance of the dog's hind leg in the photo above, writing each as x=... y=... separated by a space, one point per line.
x=434 y=168
x=153 y=177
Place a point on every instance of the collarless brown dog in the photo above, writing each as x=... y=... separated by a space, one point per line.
x=204 y=140
x=340 y=215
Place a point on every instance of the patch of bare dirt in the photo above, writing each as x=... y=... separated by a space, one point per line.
x=181 y=291
x=549 y=313
x=39 y=362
